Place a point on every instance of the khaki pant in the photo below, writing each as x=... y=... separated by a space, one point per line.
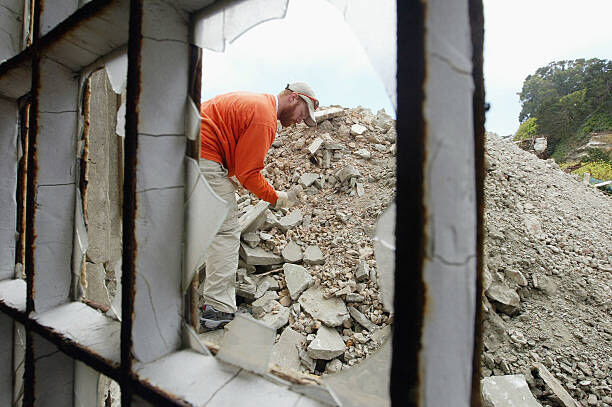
x=222 y=256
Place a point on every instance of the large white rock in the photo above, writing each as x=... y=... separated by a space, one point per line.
x=332 y=311
x=292 y=253
x=326 y=345
x=276 y=319
x=285 y=352
x=291 y=220
x=357 y=129
x=298 y=279
x=313 y=255
x=507 y=391
x=505 y=298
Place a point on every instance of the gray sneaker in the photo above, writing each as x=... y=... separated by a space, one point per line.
x=212 y=319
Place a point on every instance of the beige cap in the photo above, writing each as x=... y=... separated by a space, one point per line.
x=305 y=92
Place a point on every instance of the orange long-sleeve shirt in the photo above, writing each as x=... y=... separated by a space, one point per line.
x=237 y=130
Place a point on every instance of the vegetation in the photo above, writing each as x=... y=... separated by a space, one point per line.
x=567 y=100
x=527 y=129
x=598 y=169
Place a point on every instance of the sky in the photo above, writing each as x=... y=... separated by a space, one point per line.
x=520 y=36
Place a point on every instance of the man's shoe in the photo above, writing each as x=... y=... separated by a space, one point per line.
x=213 y=319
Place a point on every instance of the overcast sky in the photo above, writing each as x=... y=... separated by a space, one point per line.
x=520 y=36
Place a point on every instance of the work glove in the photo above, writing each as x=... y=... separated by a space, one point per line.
x=285 y=199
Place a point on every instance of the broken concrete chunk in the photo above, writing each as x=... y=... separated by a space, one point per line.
x=264 y=304
x=362 y=271
x=555 y=386
x=354 y=297
x=315 y=145
x=505 y=298
x=379 y=336
x=253 y=219
x=245 y=285
x=332 y=311
x=96 y=288
x=361 y=319
x=517 y=277
x=391 y=135
x=363 y=153
x=346 y=173
x=357 y=129
x=298 y=279
x=291 y=220
x=360 y=189
x=507 y=391
x=292 y=253
x=251 y=238
x=258 y=256
x=278 y=317
x=308 y=362
x=285 y=352
x=313 y=256
x=308 y=178
x=327 y=345
x=333 y=366
x=327 y=114
x=266 y=283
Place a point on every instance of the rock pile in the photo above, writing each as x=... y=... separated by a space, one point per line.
x=309 y=271
x=548 y=256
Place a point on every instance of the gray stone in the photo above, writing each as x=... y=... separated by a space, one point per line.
x=96 y=288
x=265 y=284
x=363 y=153
x=357 y=129
x=360 y=189
x=331 y=312
x=333 y=366
x=544 y=284
x=379 y=336
x=264 y=304
x=362 y=271
x=254 y=218
x=517 y=277
x=565 y=398
x=291 y=220
x=313 y=256
x=505 y=298
x=354 y=297
x=298 y=279
x=362 y=319
x=315 y=145
x=391 y=135
x=270 y=222
x=327 y=345
x=292 y=253
x=245 y=285
x=251 y=238
x=258 y=256
x=346 y=173
x=285 y=352
x=380 y=147
x=507 y=391
x=278 y=318
x=327 y=114
x=308 y=179
x=308 y=362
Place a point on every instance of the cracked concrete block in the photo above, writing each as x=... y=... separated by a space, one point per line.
x=331 y=312
x=507 y=391
x=327 y=345
x=315 y=145
x=291 y=220
x=96 y=287
x=254 y=219
x=266 y=283
x=327 y=114
x=285 y=352
x=357 y=129
x=251 y=238
x=308 y=178
x=362 y=271
x=346 y=173
x=505 y=299
x=363 y=153
x=264 y=304
x=292 y=253
x=313 y=256
x=252 y=354
x=278 y=318
x=298 y=279
x=354 y=297
x=258 y=256
x=306 y=361
x=361 y=319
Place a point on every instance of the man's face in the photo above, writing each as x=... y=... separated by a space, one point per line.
x=295 y=113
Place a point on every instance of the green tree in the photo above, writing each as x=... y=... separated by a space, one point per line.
x=527 y=129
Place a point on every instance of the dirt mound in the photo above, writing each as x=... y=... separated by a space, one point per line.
x=548 y=255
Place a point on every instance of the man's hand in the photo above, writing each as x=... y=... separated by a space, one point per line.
x=286 y=199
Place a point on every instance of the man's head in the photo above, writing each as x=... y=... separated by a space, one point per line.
x=296 y=103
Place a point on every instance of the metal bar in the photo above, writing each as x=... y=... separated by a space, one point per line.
x=410 y=213
x=478 y=106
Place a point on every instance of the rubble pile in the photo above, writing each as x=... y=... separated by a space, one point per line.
x=548 y=256
x=310 y=271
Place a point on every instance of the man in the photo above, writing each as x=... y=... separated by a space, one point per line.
x=237 y=130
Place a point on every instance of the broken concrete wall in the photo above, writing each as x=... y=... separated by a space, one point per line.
x=450 y=198
x=104 y=190
x=8 y=186
x=11 y=21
